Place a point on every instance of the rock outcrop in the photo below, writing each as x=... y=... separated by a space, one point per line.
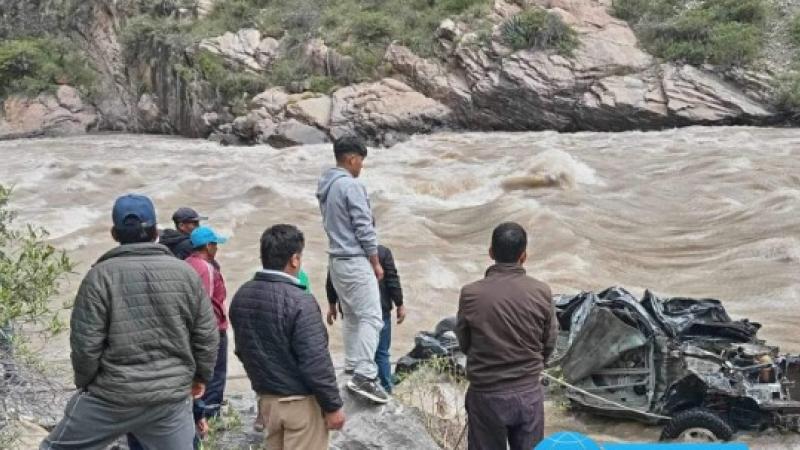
x=246 y=49
x=609 y=83
x=473 y=82
x=385 y=112
x=61 y=114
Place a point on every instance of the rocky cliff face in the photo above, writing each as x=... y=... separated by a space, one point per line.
x=608 y=84
x=474 y=83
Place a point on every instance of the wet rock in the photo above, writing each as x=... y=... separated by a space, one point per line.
x=385 y=112
x=293 y=132
x=245 y=48
x=150 y=118
x=62 y=114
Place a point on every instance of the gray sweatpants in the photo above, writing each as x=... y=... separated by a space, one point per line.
x=360 y=299
x=91 y=423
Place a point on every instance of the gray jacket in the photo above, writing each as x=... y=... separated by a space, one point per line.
x=142 y=328
x=346 y=214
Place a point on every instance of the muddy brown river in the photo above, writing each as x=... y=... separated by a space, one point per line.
x=709 y=212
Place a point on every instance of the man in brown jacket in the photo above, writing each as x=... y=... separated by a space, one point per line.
x=507 y=328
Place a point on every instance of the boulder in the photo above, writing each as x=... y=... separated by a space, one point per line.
x=385 y=112
x=292 y=133
x=61 y=114
x=327 y=61
x=274 y=100
x=150 y=118
x=314 y=111
x=245 y=48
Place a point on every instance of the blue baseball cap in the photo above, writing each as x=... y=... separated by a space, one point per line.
x=202 y=236
x=133 y=210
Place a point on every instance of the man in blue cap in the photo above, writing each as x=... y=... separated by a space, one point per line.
x=203 y=261
x=144 y=342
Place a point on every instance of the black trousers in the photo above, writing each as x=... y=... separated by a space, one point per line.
x=497 y=419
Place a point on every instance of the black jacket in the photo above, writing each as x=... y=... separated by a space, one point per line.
x=282 y=341
x=391 y=290
x=178 y=243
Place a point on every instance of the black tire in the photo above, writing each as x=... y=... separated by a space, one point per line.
x=697 y=418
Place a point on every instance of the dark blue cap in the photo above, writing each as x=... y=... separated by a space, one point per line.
x=133 y=210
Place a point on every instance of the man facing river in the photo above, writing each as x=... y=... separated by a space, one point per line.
x=506 y=325
x=354 y=265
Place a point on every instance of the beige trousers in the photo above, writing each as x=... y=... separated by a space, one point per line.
x=293 y=423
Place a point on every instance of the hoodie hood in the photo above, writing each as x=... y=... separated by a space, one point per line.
x=326 y=181
x=142 y=249
x=172 y=237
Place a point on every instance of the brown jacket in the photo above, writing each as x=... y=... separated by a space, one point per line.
x=507 y=327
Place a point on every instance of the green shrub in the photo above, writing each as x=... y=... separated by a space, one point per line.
x=372 y=27
x=722 y=32
x=323 y=84
x=536 y=28
x=229 y=84
x=734 y=43
x=794 y=29
x=31 y=270
x=787 y=91
x=31 y=66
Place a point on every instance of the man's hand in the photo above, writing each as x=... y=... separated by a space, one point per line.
x=378 y=271
x=335 y=420
x=376 y=266
x=198 y=389
x=332 y=314
x=202 y=428
x=401 y=314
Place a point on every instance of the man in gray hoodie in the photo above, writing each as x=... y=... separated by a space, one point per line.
x=354 y=265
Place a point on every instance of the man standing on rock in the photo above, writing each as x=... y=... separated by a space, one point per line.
x=178 y=241
x=354 y=265
x=506 y=325
x=283 y=345
x=143 y=339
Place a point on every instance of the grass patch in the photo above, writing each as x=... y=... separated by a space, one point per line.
x=438 y=393
x=536 y=28
x=361 y=29
x=34 y=65
x=720 y=32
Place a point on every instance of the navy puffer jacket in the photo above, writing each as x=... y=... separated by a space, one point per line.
x=282 y=341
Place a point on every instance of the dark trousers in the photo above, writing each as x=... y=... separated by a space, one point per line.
x=382 y=353
x=215 y=389
x=497 y=419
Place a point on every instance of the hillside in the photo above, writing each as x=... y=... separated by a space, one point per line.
x=286 y=73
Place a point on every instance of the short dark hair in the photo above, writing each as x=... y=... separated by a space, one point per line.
x=509 y=241
x=278 y=244
x=347 y=145
x=135 y=234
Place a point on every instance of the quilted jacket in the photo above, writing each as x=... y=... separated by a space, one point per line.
x=281 y=340
x=142 y=328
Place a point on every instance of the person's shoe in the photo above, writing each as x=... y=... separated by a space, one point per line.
x=369 y=389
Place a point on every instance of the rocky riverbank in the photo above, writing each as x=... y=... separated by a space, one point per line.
x=471 y=81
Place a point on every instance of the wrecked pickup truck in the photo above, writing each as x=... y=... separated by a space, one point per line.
x=677 y=358
x=680 y=362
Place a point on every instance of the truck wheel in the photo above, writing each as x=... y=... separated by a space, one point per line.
x=697 y=425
